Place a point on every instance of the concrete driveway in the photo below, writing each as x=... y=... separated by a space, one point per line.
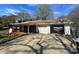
x=51 y=43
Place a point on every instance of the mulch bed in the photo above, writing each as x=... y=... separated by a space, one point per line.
x=18 y=34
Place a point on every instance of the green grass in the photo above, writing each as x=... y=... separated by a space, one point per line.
x=3 y=33
x=4 y=37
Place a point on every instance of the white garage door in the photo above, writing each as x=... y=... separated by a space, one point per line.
x=44 y=29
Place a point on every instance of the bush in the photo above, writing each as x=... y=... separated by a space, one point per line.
x=1 y=26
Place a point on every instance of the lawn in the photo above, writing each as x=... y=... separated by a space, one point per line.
x=3 y=33
x=4 y=37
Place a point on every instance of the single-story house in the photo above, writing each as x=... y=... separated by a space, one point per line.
x=40 y=26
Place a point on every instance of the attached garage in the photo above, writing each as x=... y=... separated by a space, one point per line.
x=44 y=29
x=51 y=28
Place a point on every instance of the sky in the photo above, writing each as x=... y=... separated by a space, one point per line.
x=57 y=9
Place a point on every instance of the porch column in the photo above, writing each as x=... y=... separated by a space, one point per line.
x=37 y=31
x=28 y=29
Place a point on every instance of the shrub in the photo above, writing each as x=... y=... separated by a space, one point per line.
x=1 y=26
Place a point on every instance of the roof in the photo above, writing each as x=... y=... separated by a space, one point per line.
x=38 y=22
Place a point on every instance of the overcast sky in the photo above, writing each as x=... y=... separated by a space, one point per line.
x=58 y=9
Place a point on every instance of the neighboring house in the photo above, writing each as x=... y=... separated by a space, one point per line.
x=40 y=26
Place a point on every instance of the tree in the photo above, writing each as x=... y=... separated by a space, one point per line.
x=23 y=16
x=0 y=20
x=74 y=17
x=61 y=17
x=12 y=18
x=5 y=20
x=43 y=12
